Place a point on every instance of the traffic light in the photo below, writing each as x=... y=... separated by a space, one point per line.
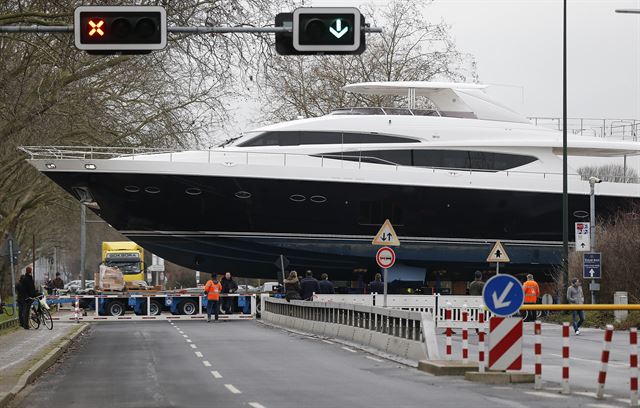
x=321 y=30
x=126 y=29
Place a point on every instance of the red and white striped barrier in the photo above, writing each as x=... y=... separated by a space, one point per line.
x=565 y=358
x=538 y=352
x=633 y=365
x=465 y=335
x=604 y=360
x=447 y=316
x=77 y=309
x=481 y=342
x=505 y=343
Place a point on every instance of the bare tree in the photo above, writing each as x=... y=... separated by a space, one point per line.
x=410 y=49
x=610 y=172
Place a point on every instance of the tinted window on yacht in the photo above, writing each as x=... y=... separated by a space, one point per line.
x=296 y=138
x=376 y=212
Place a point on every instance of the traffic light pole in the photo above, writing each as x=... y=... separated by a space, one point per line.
x=175 y=29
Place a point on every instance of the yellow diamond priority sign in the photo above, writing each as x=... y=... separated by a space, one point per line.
x=498 y=254
x=386 y=236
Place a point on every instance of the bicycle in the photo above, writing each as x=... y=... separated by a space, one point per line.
x=39 y=313
x=4 y=309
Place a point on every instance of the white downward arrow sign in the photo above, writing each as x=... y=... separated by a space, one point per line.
x=338 y=32
x=498 y=302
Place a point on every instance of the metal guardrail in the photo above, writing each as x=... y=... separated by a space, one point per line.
x=625 y=129
x=9 y=323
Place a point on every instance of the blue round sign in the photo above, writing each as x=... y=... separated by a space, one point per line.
x=503 y=295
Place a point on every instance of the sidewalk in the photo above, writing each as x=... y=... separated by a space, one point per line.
x=24 y=354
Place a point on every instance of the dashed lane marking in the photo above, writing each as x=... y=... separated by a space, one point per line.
x=256 y=405
x=216 y=374
x=545 y=394
x=598 y=362
x=374 y=359
x=348 y=349
x=199 y=354
x=233 y=389
x=206 y=363
x=180 y=331
x=193 y=346
x=328 y=342
x=185 y=336
x=188 y=340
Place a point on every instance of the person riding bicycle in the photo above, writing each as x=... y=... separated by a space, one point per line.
x=25 y=289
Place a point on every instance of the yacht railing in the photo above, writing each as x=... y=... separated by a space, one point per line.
x=232 y=158
x=624 y=129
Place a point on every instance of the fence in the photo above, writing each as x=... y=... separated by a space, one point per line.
x=393 y=331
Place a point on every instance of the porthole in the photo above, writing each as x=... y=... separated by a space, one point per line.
x=193 y=191
x=152 y=190
x=132 y=189
x=297 y=198
x=318 y=199
x=243 y=194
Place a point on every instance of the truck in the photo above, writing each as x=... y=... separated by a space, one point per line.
x=126 y=256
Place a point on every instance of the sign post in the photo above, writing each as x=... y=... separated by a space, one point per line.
x=497 y=255
x=592 y=269
x=583 y=237
x=386 y=257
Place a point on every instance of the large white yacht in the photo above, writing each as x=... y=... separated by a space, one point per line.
x=452 y=179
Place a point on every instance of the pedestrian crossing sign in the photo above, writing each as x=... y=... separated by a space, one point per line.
x=498 y=254
x=386 y=236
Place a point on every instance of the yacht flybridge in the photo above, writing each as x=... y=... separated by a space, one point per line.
x=453 y=176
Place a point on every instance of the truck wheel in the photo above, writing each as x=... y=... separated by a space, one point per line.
x=155 y=307
x=188 y=307
x=115 y=308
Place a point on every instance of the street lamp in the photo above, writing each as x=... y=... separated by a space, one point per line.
x=592 y=211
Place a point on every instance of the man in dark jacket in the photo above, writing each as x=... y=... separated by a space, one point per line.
x=376 y=285
x=228 y=286
x=25 y=288
x=309 y=286
x=325 y=286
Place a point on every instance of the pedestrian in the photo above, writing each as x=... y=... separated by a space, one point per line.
x=228 y=286
x=292 y=287
x=309 y=286
x=212 y=289
x=376 y=285
x=576 y=297
x=475 y=287
x=325 y=285
x=531 y=295
x=25 y=289
x=58 y=283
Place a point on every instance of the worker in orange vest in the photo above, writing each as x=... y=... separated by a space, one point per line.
x=531 y=295
x=212 y=289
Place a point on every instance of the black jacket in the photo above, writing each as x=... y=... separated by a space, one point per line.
x=376 y=286
x=326 y=287
x=292 y=289
x=26 y=288
x=228 y=285
x=308 y=286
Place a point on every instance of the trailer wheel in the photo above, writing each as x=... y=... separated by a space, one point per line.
x=155 y=307
x=188 y=307
x=115 y=308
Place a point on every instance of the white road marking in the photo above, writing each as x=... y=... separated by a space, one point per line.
x=374 y=359
x=601 y=405
x=193 y=346
x=188 y=341
x=598 y=362
x=256 y=405
x=348 y=349
x=185 y=336
x=206 y=363
x=199 y=354
x=545 y=394
x=328 y=342
x=216 y=374
x=501 y=388
x=233 y=389
x=180 y=331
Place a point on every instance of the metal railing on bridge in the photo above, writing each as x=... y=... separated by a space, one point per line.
x=623 y=129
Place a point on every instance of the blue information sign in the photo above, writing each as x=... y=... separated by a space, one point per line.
x=503 y=295
x=592 y=265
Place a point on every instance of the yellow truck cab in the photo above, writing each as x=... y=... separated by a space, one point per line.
x=127 y=256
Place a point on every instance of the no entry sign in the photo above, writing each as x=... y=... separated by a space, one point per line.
x=385 y=257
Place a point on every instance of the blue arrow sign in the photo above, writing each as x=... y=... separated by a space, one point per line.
x=592 y=265
x=503 y=295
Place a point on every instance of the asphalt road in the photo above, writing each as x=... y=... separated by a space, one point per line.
x=247 y=364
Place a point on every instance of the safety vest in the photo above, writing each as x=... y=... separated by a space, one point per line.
x=213 y=290
x=531 y=291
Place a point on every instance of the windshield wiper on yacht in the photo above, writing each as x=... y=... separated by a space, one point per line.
x=229 y=141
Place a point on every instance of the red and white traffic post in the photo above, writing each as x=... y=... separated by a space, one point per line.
x=447 y=316
x=465 y=334
x=505 y=343
x=565 y=358
x=604 y=360
x=481 y=349
x=633 y=365
x=538 y=352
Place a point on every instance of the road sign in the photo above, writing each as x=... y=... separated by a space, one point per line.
x=592 y=265
x=583 y=236
x=498 y=254
x=505 y=343
x=386 y=235
x=129 y=29
x=385 y=257
x=326 y=29
x=503 y=295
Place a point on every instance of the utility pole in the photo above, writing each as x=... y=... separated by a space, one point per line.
x=83 y=243
x=592 y=212
x=565 y=186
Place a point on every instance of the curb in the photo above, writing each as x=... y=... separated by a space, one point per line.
x=39 y=367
